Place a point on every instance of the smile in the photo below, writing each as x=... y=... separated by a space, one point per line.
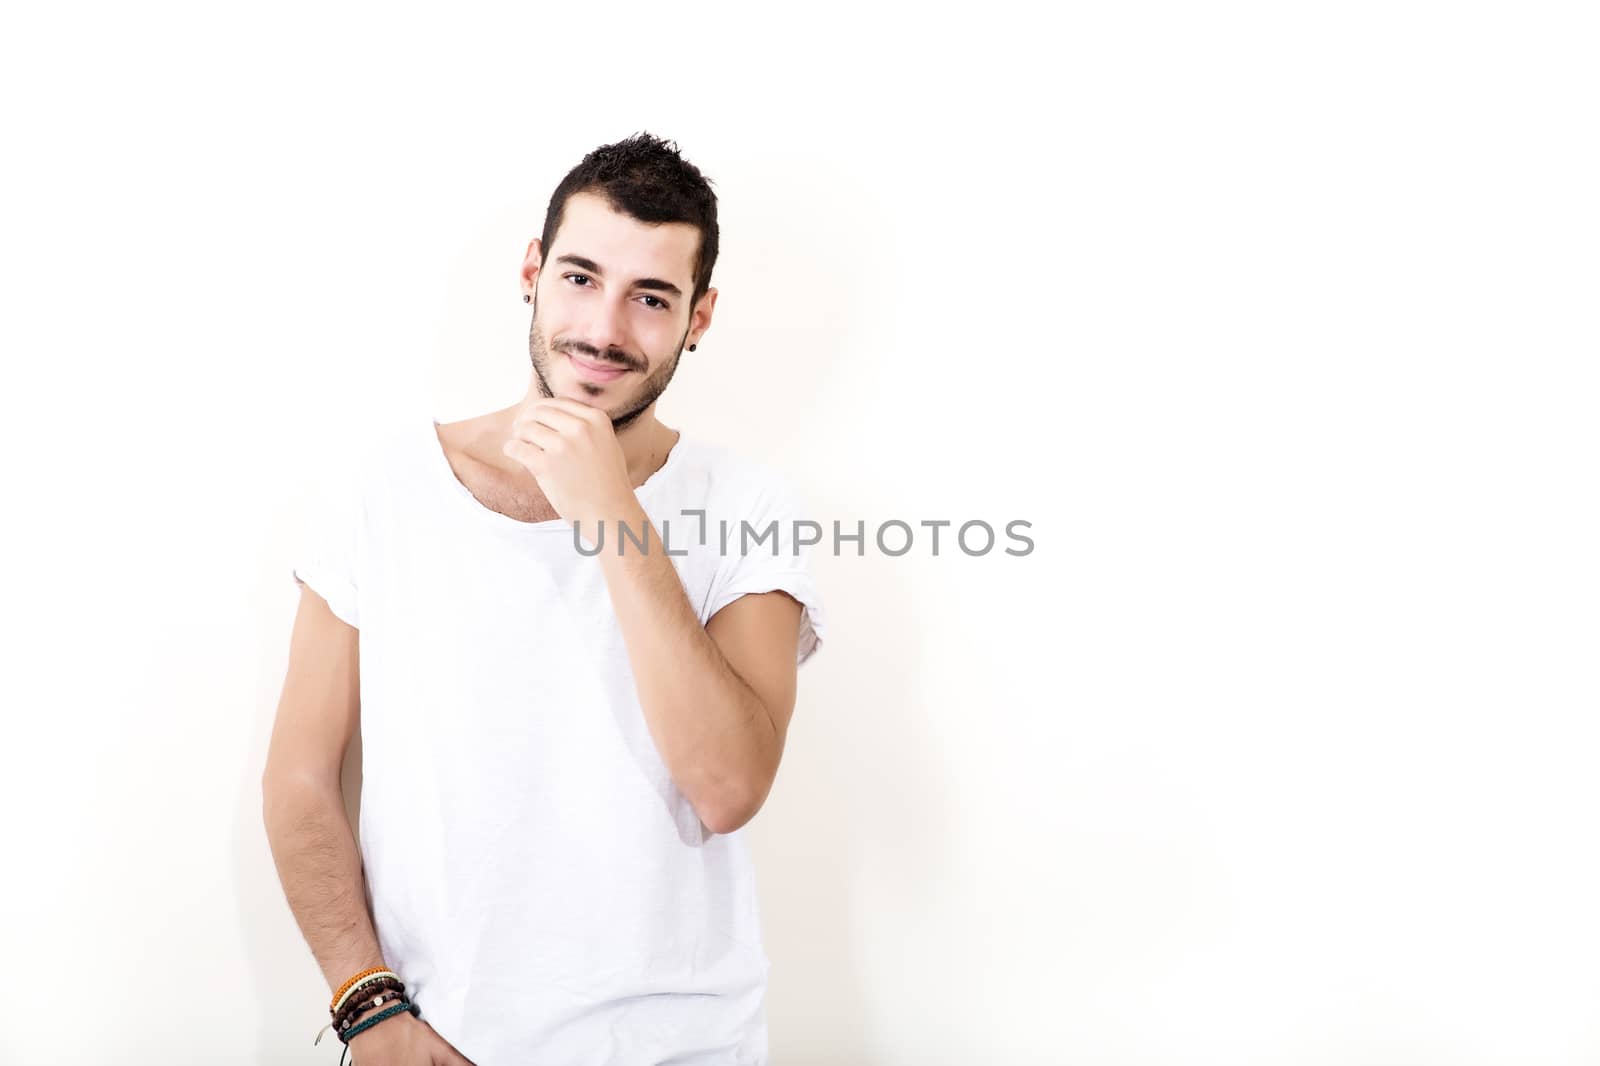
x=592 y=371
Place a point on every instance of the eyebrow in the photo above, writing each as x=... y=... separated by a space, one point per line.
x=642 y=283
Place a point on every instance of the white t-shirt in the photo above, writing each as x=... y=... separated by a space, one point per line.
x=537 y=880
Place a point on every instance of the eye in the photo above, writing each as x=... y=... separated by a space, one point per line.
x=585 y=277
x=659 y=304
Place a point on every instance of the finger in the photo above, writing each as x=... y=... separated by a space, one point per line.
x=530 y=455
x=577 y=407
x=537 y=433
x=581 y=411
x=546 y=413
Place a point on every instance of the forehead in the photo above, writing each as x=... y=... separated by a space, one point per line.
x=623 y=245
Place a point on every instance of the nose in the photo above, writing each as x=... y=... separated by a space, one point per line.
x=606 y=329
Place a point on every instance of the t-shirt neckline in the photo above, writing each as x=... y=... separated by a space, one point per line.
x=441 y=464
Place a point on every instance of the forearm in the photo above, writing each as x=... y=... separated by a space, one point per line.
x=319 y=865
x=710 y=728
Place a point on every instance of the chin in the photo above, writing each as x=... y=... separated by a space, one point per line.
x=581 y=395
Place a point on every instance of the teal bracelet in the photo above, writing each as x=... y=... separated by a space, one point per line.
x=383 y=1015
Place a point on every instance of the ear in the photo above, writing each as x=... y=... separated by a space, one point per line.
x=700 y=317
x=528 y=275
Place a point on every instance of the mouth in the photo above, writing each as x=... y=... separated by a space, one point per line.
x=591 y=370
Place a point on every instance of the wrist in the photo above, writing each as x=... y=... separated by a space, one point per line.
x=392 y=1009
x=607 y=522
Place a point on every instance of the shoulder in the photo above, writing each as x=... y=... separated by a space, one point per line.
x=744 y=489
x=738 y=480
x=476 y=437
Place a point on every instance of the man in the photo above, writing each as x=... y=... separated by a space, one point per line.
x=569 y=636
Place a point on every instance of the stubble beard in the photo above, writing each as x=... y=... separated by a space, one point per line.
x=649 y=391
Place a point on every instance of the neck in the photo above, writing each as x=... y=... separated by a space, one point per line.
x=645 y=444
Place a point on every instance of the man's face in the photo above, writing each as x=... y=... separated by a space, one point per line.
x=611 y=307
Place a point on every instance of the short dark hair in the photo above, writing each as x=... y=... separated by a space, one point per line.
x=644 y=177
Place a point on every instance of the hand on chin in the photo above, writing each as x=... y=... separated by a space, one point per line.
x=571 y=449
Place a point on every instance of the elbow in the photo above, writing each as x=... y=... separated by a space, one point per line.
x=290 y=793
x=725 y=821
x=728 y=798
x=732 y=811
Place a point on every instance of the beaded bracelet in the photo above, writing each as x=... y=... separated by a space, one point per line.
x=347 y=1016
x=353 y=1003
x=367 y=988
x=352 y=981
x=352 y=990
x=356 y=982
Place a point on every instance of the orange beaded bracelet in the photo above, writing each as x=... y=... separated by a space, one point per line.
x=345 y=988
x=376 y=977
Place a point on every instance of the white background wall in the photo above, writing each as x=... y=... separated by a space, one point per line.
x=1276 y=321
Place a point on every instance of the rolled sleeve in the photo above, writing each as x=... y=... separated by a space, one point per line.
x=759 y=561
x=327 y=557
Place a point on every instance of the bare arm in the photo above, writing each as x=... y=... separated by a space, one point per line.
x=303 y=807
x=320 y=869
x=717 y=698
